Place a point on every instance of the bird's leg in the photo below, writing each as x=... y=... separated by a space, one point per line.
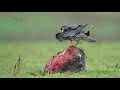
x=71 y=42
x=77 y=42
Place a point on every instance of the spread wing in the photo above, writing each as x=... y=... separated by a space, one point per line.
x=74 y=27
x=73 y=30
x=68 y=33
x=80 y=29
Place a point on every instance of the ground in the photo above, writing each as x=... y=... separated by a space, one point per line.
x=103 y=59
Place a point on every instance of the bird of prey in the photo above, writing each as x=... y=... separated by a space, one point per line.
x=74 y=33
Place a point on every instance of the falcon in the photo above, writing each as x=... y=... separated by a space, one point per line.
x=74 y=33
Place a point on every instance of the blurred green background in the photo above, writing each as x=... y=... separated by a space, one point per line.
x=42 y=26
x=33 y=34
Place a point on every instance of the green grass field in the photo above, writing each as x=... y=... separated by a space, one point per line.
x=103 y=59
x=29 y=33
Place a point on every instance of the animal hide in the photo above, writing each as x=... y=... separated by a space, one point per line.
x=71 y=59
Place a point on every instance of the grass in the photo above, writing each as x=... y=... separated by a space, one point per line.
x=103 y=59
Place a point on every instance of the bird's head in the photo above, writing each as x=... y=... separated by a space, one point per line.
x=59 y=37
